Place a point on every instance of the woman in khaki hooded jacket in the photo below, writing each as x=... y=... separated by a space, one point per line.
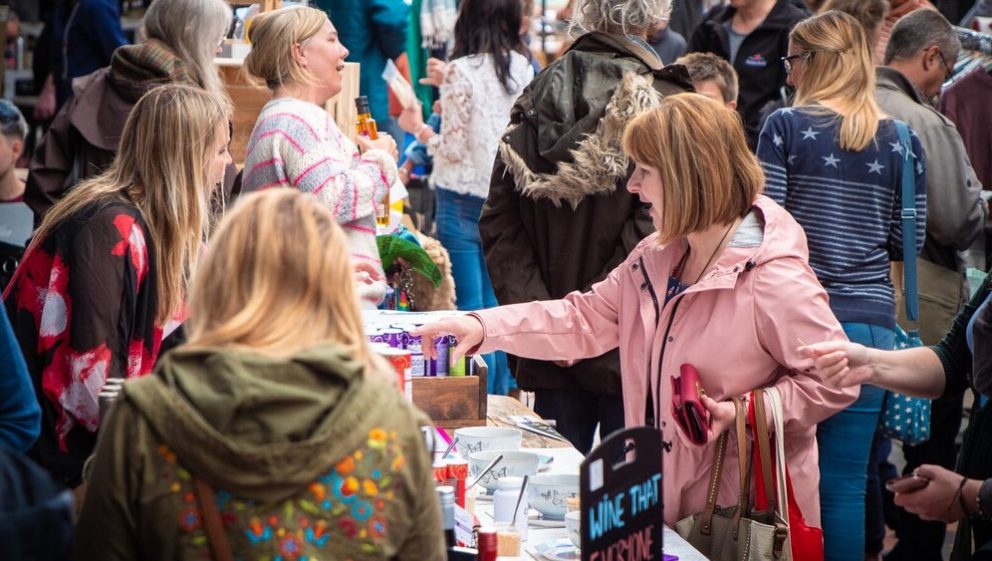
x=274 y=415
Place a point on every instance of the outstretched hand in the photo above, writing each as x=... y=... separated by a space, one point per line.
x=467 y=329
x=841 y=364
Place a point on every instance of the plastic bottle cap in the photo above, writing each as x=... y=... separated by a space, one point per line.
x=510 y=483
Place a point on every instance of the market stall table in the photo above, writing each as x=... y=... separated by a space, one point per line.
x=566 y=459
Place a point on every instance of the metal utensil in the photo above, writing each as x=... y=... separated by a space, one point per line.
x=483 y=473
x=449 y=448
x=523 y=489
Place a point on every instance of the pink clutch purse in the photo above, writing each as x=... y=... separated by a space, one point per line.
x=687 y=407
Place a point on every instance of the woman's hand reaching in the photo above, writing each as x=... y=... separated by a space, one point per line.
x=436 y=69
x=840 y=363
x=467 y=329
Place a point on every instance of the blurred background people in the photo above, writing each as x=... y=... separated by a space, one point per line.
x=183 y=37
x=488 y=70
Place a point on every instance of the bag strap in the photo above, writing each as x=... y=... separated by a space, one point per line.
x=764 y=445
x=908 y=215
x=782 y=475
x=716 y=471
x=781 y=469
x=220 y=547
x=744 y=493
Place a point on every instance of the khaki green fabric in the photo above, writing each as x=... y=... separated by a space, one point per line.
x=310 y=458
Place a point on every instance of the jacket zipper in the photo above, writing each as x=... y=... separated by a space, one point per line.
x=664 y=343
x=650 y=419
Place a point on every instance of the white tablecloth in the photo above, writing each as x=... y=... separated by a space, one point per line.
x=567 y=460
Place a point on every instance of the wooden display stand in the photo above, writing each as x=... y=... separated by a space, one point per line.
x=454 y=401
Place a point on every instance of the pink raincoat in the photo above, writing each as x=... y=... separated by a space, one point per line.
x=740 y=326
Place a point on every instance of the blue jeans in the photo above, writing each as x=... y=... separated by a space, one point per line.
x=458 y=231
x=845 y=442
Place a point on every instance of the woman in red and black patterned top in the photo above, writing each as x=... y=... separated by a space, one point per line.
x=105 y=278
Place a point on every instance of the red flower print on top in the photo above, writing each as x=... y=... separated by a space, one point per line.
x=133 y=239
x=77 y=395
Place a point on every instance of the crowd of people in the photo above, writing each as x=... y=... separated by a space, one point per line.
x=719 y=184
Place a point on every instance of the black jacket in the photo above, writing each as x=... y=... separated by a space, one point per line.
x=758 y=64
x=558 y=217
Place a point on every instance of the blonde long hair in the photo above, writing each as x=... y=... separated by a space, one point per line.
x=293 y=286
x=192 y=29
x=162 y=168
x=708 y=174
x=273 y=36
x=839 y=71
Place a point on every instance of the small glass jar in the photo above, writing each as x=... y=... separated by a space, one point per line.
x=505 y=499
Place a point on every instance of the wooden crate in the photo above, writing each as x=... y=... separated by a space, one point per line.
x=454 y=401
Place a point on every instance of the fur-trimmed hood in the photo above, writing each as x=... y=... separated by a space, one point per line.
x=564 y=139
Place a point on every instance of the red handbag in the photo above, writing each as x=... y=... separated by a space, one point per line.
x=806 y=540
x=687 y=407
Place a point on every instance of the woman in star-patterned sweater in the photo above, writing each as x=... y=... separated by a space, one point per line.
x=836 y=164
x=108 y=269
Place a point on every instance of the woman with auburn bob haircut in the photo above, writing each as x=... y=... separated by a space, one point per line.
x=277 y=380
x=110 y=266
x=723 y=285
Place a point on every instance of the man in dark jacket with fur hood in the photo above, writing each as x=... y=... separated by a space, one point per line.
x=558 y=217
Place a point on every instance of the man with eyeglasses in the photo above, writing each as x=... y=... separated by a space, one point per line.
x=918 y=59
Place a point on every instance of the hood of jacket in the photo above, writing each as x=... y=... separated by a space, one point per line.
x=563 y=141
x=781 y=239
x=260 y=426
x=105 y=97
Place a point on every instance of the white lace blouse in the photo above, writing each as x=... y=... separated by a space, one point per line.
x=475 y=108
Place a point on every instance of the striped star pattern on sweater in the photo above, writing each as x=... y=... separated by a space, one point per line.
x=296 y=144
x=848 y=202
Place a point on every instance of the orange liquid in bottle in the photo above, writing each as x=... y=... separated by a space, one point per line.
x=365 y=125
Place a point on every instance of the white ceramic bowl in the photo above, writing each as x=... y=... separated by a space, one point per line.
x=547 y=493
x=513 y=464
x=480 y=439
x=572 y=525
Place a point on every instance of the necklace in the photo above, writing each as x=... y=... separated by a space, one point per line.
x=716 y=251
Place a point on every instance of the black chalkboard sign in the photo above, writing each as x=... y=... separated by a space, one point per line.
x=621 y=496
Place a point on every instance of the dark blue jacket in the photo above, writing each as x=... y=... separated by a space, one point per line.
x=85 y=36
x=20 y=414
x=374 y=31
x=35 y=512
x=759 y=61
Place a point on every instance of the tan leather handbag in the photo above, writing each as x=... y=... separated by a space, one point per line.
x=735 y=532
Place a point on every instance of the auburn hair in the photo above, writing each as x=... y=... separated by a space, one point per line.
x=709 y=175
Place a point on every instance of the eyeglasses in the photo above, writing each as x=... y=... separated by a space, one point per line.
x=787 y=60
x=947 y=70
